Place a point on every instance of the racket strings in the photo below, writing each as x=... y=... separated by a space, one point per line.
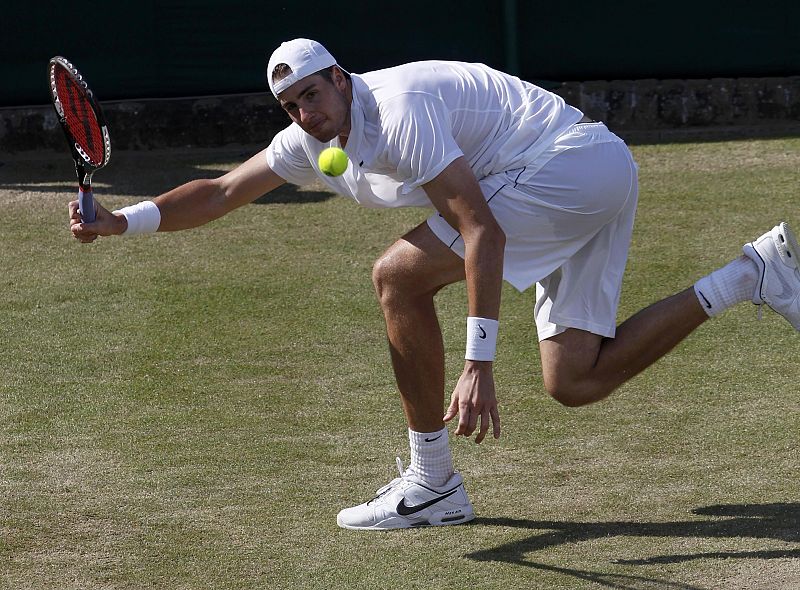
x=80 y=118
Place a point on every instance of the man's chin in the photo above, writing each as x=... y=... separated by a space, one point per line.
x=322 y=135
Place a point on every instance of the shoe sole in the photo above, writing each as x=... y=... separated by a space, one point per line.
x=791 y=243
x=440 y=519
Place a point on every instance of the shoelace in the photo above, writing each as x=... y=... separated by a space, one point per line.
x=389 y=486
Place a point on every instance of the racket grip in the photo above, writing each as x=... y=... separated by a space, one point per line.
x=86 y=205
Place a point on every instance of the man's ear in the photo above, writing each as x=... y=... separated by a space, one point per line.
x=339 y=79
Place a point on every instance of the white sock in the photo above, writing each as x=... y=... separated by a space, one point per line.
x=727 y=286
x=430 y=456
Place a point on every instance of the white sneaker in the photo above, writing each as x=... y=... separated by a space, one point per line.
x=777 y=256
x=407 y=502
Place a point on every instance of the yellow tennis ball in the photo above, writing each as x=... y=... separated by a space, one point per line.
x=333 y=161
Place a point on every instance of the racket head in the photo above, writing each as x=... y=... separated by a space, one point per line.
x=79 y=114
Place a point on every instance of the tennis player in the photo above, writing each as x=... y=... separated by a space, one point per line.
x=524 y=188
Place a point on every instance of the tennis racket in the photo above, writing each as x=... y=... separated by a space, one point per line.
x=83 y=124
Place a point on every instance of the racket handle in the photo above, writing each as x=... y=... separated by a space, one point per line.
x=86 y=205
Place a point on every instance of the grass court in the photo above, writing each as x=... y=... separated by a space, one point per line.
x=191 y=410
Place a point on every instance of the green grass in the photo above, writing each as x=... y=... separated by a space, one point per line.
x=191 y=410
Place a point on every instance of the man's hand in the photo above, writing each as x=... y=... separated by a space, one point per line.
x=106 y=224
x=474 y=398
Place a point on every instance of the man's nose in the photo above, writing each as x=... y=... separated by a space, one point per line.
x=305 y=115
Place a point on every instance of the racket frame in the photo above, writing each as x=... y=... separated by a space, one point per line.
x=85 y=167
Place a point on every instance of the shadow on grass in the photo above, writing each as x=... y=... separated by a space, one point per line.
x=144 y=175
x=780 y=522
x=290 y=194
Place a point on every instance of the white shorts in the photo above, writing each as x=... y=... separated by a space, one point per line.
x=568 y=219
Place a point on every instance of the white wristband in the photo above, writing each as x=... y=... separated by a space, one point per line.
x=143 y=218
x=481 y=339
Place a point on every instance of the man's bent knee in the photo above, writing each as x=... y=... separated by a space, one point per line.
x=574 y=393
x=382 y=273
x=394 y=275
x=569 y=367
x=416 y=265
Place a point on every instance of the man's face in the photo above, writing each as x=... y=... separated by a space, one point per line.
x=320 y=107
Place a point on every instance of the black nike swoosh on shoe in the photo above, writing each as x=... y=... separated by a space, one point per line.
x=433 y=439
x=404 y=510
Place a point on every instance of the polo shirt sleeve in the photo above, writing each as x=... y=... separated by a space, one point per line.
x=420 y=138
x=288 y=158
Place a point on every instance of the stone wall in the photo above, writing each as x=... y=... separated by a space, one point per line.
x=154 y=123
x=638 y=110
x=684 y=109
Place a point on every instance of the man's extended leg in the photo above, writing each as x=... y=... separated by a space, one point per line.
x=580 y=367
x=406 y=278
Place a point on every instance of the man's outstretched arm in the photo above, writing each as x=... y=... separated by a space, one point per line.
x=189 y=205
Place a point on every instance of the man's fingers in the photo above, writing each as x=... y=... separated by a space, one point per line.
x=74 y=212
x=467 y=419
x=451 y=412
x=495 y=421
x=82 y=233
x=463 y=420
x=86 y=239
x=77 y=227
x=473 y=420
x=484 y=427
x=486 y=416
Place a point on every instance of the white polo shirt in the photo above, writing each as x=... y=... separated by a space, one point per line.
x=408 y=123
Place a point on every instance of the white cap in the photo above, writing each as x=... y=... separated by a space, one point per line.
x=304 y=56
